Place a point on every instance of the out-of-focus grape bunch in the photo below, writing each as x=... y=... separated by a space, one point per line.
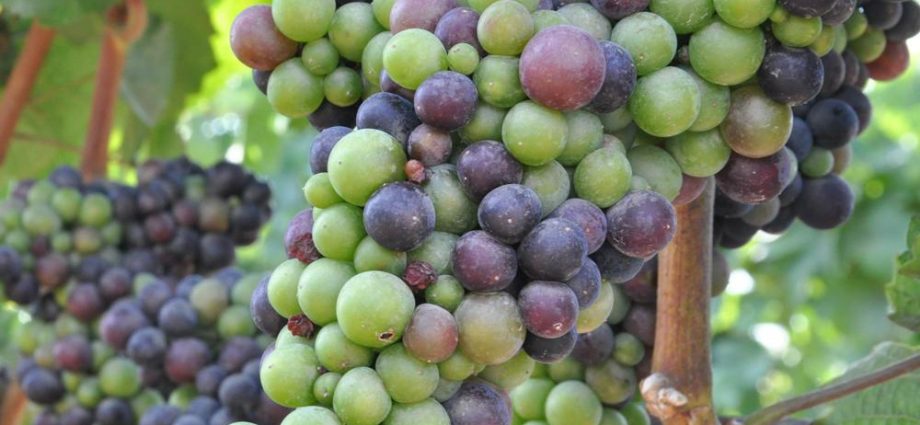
x=493 y=179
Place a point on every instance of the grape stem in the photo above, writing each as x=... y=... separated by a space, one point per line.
x=126 y=23
x=773 y=414
x=19 y=86
x=679 y=391
x=14 y=403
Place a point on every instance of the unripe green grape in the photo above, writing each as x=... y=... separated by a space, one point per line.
x=61 y=242
x=715 y=100
x=498 y=82
x=840 y=39
x=485 y=125
x=303 y=20
x=685 y=16
x=505 y=27
x=311 y=415
x=235 y=321
x=585 y=135
x=511 y=373
x=285 y=338
x=241 y=293
x=407 y=379
x=428 y=412
x=40 y=192
x=40 y=219
x=602 y=177
x=612 y=417
x=293 y=91
x=856 y=25
x=595 y=315
x=319 y=57
x=66 y=203
x=374 y=308
x=89 y=393
x=481 y=5
x=437 y=250
x=534 y=134
x=179 y=397
x=573 y=403
x=744 y=13
x=318 y=288
x=699 y=154
x=491 y=328
x=445 y=292
x=210 y=298
x=635 y=414
x=658 y=168
x=725 y=55
x=457 y=367
x=370 y=255
x=411 y=56
x=628 y=350
x=543 y=19
x=648 y=38
x=324 y=387
x=756 y=126
x=446 y=389
x=282 y=287
x=552 y=184
x=587 y=18
x=362 y=161
x=337 y=353
x=463 y=58
x=287 y=375
x=616 y=120
x=382 y=10
x=318 y=191
x=361 y=399
x=797 y=31
x=825 y=41
x=666 y=102
x=343 y=87
x=819 y=162
x=372 y=58
x=111 y=233
x=612 y=382
x=120 y=377
x=455 y=212
x=529 y=399
x=352 y=27
x=611 y=141
x=338 y=231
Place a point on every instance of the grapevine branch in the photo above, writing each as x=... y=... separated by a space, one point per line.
x=19 y=85
x=777 y=412
x=126 y=23
x=679 y=391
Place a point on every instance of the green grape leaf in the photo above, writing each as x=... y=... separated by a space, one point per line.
x=149 y=73
x=891 y=403
x=904 y=291
x=56 y=13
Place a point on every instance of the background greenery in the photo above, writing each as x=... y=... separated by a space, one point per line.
x=799 y=308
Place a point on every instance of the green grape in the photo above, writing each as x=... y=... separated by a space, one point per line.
x=573 y=403
x=181 y=396
x=382 y=10
x=235 y=321
x=856 y=25
x=840 y=39
x=485 y=125
x=454 y=211
x=407 y=379
x=699 y=154
x=285 y=337
x=374 y=308
x=685 y=16
x=338 y=231
x=437 y=250
x=497 y=80
x=210 y=298
x=40 y=220
x=616 y=120
x=319 y=57
x=715 y=101
x=352 y=27
x=370 y=255
x=744 y=13
x=666 y=102
x=504 y=28
x=66 y=203
x=61 y=242
x=543 y=19
x=17 y=239
x=725 y=55
x=529 y=399
x=648 y=38
x=241 y=293
x=587 y=18
x=40 y=192
x=282 y=287
x=481 y=5
x=463 y=58
x=551 y=182
x=287 y=375
x=318 y=288
x=361 y=398
x=411 y=56
x=628 y=350
x=362 y=161
x=585 y=135
x=89 y=393
x=343 y=87
x=457 y=367
x=427 y=412
x=635 y=414
x=324 y=387
x=303 y=20
x=102 y=352
x=825 y=41
x=120 y=377
x=658 y=168
x=869 y=46
x=293 y=91
x=797 y=31
x=71 y=381
x=595 y=315
x=818 y=163
x=311 y=415
x=511 y=373
x=612 y=382
x=612 y=417
x=602 y=178
x=336 y=353
x=445 y=292
x=319 y=192
x=372 y=58
x=756 y=126
x=491 y=328
x=446 y=389
x=534 y=134
x=111 y=233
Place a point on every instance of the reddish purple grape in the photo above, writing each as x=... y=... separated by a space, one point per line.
x=429 y=145
x=549 y=309
x=554 y=250
x=619 y=79
x=74 y=354
x=184 y=358
x=562 y=67
x=115 y=283
x=755 y=181
x=486 y=165
x=120 y=322
x=482 y=263
x=263 y=314
x=298 y=239
x=595 y=347
x=257 y=42
x=641 y=224
x=642 y=288
x=423 y=14
x=545 y=350
x=509 y=212
x=459 y=26
x=825 y=203
x=399 y=216
x=586 y=284
x=85 y=302
x=588 y=217
x=640 y=321
x=446 y=100
x=147 y=347
x=388 y=85
x=478 y=403
x=619 y=9
x=432 y=335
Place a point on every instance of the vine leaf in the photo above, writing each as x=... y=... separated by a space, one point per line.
x=891 y=403
x=55 y=12
x=904 y=291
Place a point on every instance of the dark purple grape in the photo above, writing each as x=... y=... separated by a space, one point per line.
x=783 y=220
x=153 y=296
x=85 y=302
x=478 y=403
x=619 y=9
x=800 y=140
x=642 y=288
x=399 y=216
x=509 y=212
x=586 y=284
x=23 y=291
x=619 y=79
x=123 y=319
x=595 y=347
x=124 y=203
x=423 y=14
x=114 y=411
x=554 y=250
x=640 y=321
x=25 y=365
x=791 y=192
x=43 y=386
x=835 y=71
x=91 y=268
x=177 y=318
x=446 y=100
x=239 y=393
x=260 y=79
x=833 y=122
x=859 y=102
x=883 y=15
x=863 y=78
x=66 y=176
x=825 y=203
x=52 y=271
x=163 y=414
x=207 y=380
x=389 y=86
x=263 y=314
x=269 y=412
x=790 y=75
x=10 y=264
x=429 y=145
x=614 y=266
x=221 y=417
x=184 y=358
x=839 y=13
x=237 y=352
x=735 y=233
x=258 y=192
x=549 y=309
x=40 y=246
x=808 y=8
x=203 y=407
x=389 y=113
x=298 y=239
x=727 y=207
x=46 y=417
x=641 y=224
x=215 y=252
x=851 y=66
x=77 y=415
x=226 y=179
x=485 y=165
x=147 y=347
x=562 y=67
x=73 y=353
x=755 y=181
x=329 y=115
x=114 y=284
x=46 y=308
x=322 y=146
x=546 y=350
x=482 y=263
x=459 y=26
x=909 y=24
x=588 y=217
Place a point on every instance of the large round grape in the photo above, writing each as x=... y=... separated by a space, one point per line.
x=360 y=398
x=353 y=26
x=319 y=286
x=293 y=91
x=413 y=55
x=482 y=263
x=573 y=403
x=432 y=335
x=455 y=212
x=337 y=353
x=790 y=75
x=619 y=79
x=699 y=154
x=549 y=309
x=658 y=168
x=509 y=212
x=485 y=125
x=374 y=308
x=825 y=203
x=364 y=160
x=603 y=177
x=726 y=55
x=648 y=38
x=534 y=134
x=428 y=412
x=504 y=28
x=303 y=20
x=612 y=382
x=446 y=100
x=756 y=180
x=485 y=165
x=399 y=216
x=406 y=378
x=685 y=16
x=256 y=41
x=287 y=375
x=372 y=58
x=756 y=126
x=641 y=224
x=478 y=403
x=586 y=215
x=491 y=328
x=833 y=123
x=563 y=68
x=390 y=113
x=497 y=81
x=666 y=102
x=338 y=231
x=554 y=250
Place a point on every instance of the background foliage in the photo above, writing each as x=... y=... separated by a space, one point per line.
x=798 y=310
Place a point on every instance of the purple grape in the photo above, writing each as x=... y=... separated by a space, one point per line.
x=77 y=415
x=586 y=284
x=66 y=176
x=790 y=75
x=859 y=102
x=23 y=291
x=839 y=13
x=203 y=407
x=322 y=146
x=833 y=122
x=446 y=100
x=459 y=26
x=509 y=212
x=782 y=222
x=216 y=251
x=825 y=203
x=399 y=216
x=486 y=165
x=422 y=14
x=641 y=224
x=298 y=239
x=727 y=207
x=163 y=414
x=883 y=15
x=808 y=8
x=237 y=352
x=73 y=353
x=478 y=403
x=619 y=9
x=640 y=321
x=619 y=79
x=115 y=283
x=429 y=145
x=178 y=318
x=482 y=263
x=834 y=73
x=389 y=86
x=239 y=394
x=389 y=113
x=642 y=288
x=755 y=181
x=546 y=350
x=114 y=411
x=909 y=24
x=800 y=140
x=595 y=347
x=184 y=358
x=43 y=386
x=588 y=217
x=207 y=380
x=554 y=250
x=260 y=79
x=329 y=115
x=549 y=309
x=153 y=296
x=614 y=266
x=735 y=233
x=85 y=302
x=263 y=314
x=120 y=322
x=562 y=67
x=147 y=347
